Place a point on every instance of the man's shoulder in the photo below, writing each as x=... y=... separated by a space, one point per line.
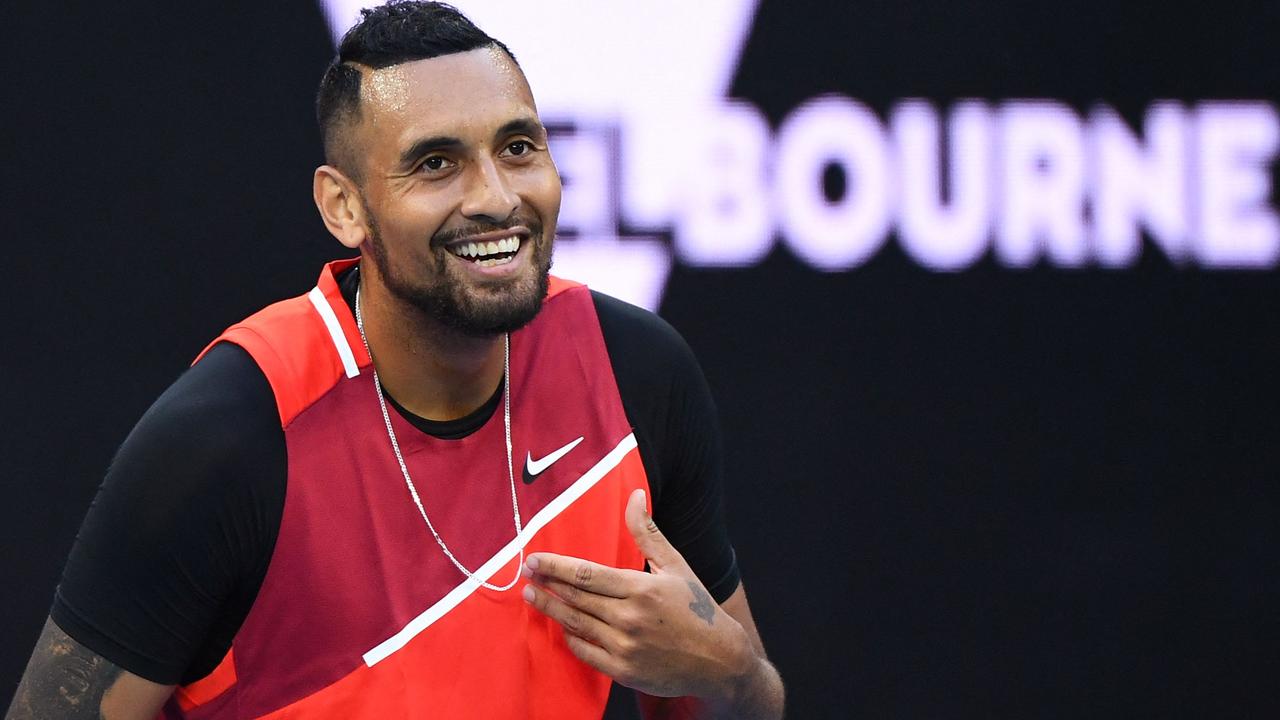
x=225 y=389
x=214 y=434
x=303 y=346
x=631 y=333
x=281 y=324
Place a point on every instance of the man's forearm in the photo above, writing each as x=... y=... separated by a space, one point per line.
x=759 y=696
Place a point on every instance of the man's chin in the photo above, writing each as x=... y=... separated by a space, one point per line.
x=492 y=311
x=488 y=324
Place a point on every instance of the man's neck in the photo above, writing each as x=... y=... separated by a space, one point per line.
x=432 y=371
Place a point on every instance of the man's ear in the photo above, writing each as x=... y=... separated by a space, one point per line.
x=341 y=207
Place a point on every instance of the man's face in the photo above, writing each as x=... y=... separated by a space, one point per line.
x=459 y=188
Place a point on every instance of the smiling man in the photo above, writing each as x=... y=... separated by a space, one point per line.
x=321 y=518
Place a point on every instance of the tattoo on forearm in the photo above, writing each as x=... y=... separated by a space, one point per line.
x=64 y=679
x=702 y=605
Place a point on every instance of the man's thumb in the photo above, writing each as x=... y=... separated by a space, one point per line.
x=649 y=539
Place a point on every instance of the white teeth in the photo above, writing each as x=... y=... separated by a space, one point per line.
x=480 y=250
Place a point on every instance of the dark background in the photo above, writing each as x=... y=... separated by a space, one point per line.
x=987 y=494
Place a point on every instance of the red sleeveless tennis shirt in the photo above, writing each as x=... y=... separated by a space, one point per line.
x=361 y=615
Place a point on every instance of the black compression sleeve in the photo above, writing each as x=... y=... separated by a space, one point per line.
x=667 y=400
x=176 y=544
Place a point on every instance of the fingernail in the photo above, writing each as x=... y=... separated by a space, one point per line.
x=527 y=593
x=531 y=562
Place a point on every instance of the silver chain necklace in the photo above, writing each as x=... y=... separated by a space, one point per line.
x=404 y=469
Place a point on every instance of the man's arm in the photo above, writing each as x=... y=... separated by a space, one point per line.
x=669 y=404
x=659 y=632
x=64 y=679
x=171 y=553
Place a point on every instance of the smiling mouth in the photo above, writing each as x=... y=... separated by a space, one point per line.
x=488 y=254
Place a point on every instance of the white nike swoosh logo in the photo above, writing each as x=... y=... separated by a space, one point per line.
x=535 y=467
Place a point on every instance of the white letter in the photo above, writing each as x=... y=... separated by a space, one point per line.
x=723 y=216
x=836 y=235
x=1043 y=173
x=1133 y=184
x=1235 y=143
x=943 y=236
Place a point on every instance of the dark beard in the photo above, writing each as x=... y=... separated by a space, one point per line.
x=445 y=299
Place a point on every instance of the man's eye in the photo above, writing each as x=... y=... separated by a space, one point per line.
x=519 y=147
x=435 y=163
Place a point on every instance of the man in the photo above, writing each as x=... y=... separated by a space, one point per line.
x=322 y=518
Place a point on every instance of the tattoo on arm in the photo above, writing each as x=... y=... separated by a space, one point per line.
x=64 y=679
x=702 y=605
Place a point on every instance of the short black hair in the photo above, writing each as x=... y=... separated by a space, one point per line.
x=398 y=32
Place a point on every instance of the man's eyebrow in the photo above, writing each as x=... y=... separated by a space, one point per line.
x=523 y=126
x=425 y=146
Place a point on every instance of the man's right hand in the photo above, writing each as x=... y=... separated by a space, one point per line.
x=64 y=679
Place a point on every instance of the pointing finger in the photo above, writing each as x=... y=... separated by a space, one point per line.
x=582 y=574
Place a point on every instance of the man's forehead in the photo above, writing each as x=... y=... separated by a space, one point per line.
x=466 y=83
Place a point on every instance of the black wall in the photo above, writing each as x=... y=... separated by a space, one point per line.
x=993 y=493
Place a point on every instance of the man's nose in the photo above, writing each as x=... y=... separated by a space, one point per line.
x=489 y=197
